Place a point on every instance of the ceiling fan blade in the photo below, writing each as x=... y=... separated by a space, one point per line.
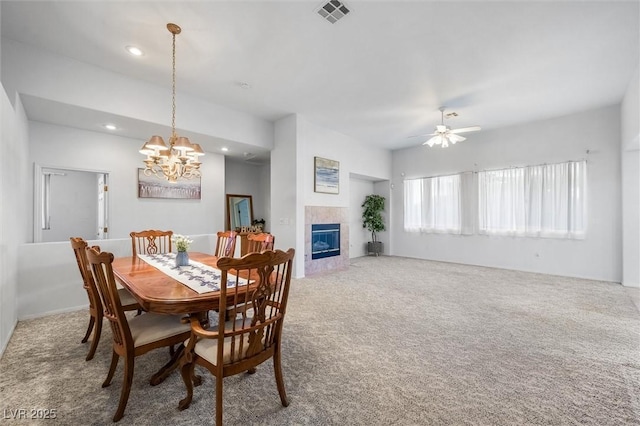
x=465 y=129
x=421 y=135
x=433 y=141
x=453 y=138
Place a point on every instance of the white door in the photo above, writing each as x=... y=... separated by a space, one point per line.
x=103 y=217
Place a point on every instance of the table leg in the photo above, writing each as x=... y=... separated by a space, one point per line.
x=174 y=362
x=166 y=369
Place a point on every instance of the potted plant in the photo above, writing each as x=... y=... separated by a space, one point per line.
x=182 y=243
x=372 y=219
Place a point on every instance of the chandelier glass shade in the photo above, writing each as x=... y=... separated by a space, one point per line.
x=180 y=158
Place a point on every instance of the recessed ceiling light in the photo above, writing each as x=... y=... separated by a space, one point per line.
x=224 y=148
x=110 y=126
x=135 y=51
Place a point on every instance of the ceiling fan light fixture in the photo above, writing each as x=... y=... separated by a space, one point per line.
x=453 y=138
x=444 y=135
x=431 y=141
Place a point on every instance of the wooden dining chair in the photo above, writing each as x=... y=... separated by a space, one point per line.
x=226 y=244
x=240 y=345
x=150 y=242
x=79 y=246
x=134 y=336
x=259 y=242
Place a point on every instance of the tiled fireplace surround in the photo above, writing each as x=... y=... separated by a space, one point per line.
x=314 y=215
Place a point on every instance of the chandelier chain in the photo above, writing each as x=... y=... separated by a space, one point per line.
x=173 y=83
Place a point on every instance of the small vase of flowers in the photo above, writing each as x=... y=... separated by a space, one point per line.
x=182 y=243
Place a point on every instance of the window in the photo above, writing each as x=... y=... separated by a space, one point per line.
x=433 y=204
x=547 y=200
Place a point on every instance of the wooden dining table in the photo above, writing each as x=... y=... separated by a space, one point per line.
x=159 y=293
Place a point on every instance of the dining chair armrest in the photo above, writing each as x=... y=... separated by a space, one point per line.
x=198 y=330
x=197 y=333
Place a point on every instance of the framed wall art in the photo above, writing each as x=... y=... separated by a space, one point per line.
x=155 y=187
x=326 y=175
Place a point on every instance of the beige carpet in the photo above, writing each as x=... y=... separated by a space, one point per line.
x=391 y=341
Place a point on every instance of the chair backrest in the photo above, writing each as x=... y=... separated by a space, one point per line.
x=150 y=242
x=226 y=244
x=259 y=242
x=79 y=246
x=252 y=339
x=102 y=271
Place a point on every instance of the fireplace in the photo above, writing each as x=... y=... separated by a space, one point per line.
x=325 y=240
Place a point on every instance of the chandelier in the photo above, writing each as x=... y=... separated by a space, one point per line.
x=180 y=158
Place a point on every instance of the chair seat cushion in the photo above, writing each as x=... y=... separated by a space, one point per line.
x=207 y=348
x=151 y=327
x=126 y=298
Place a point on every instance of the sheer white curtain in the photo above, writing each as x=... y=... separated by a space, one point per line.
x=547 y=201
x=433 y=204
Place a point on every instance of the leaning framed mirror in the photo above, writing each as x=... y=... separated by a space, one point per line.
x=239 y=211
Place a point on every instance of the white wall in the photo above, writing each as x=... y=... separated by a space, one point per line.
x=285 y=191
x=66 y=147
x=13 y=203
x=358 y=236
x=250 y=179
x=554 y=140
x=630 y=157
x=355 y=157
x=53 y=284
x=264 y=190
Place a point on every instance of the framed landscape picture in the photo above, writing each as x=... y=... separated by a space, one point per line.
x=326 y=175
x=155 y=187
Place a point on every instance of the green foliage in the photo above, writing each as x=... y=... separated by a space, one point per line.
x=372 y=219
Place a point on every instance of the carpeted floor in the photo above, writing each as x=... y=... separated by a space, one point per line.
x=390 y=341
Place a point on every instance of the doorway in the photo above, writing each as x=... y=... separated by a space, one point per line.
x=70 y=203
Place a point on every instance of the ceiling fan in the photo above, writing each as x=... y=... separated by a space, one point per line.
x=445 y=135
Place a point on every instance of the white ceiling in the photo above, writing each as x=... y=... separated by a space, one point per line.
x=378 y=75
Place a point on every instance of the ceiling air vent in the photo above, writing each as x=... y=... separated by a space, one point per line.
x=333 y=11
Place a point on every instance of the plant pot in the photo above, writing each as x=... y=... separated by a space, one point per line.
x=375 y=247
x=182 y=258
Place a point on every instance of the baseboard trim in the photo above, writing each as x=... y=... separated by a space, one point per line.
x=6 y=343
x=57 y=311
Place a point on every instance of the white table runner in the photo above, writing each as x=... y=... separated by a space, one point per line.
x=197 y=276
